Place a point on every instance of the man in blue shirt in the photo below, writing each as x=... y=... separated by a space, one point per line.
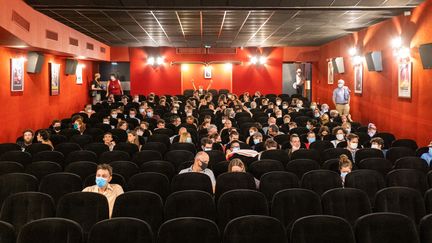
x=341 y=98
x=428 y=156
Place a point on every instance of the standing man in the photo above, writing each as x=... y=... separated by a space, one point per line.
x=299 y=82
x=341 y=98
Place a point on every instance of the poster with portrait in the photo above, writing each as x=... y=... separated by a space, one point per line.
x=79 y=74
x=404 y=80
x=330 y=75
x=358 y=78
x=54 y=78
x=17 y=74
x=207 y=72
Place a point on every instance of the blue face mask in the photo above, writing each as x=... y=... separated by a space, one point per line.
x=101 y=182
x=149 y=114
x=235 y=149
x=75 y=126
x=311 y=140
x=343 y=175
x=256 y=141
x=308 y=127
x=188 y=140
x=430 y=150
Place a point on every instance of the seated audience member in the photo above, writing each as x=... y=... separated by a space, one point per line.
x=133 y=114
x=43 y=136
x=56 y=126
x=236 y=165
x=295 y=144
x=256 y=139
x=217 y=142
x=234 y=146
x=28 y=136
x=347 y=127
x=185 y=138
x=311 y=139
x=292 y=125
x=160 y=124
x=200 y=166
x=191 y=121
x=428 y=155
x=110 y=191
x=352 y=144
x=377 y=143
x=345 y=167
x=339 y=132
x=88 y=110
x=273 y=131
x=206 y=144
x=134 y=139
x=79 y=125
x=269 y=144
x=108 y=140
x=313 y=105
x=150 y=114
x=124 y=100
x=324 y=119
x=146 y=128
x=311 y=124
x=123 y=125
x=334 y=115
x=212 y=129
x=371 y=130
x=270 y=121
x=324 y=109
x=175 y=122
x=323 y=132
x=136 y=99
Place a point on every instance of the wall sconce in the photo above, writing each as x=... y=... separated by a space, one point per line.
x=355 y=57
x=155 y=61
x=401 y=52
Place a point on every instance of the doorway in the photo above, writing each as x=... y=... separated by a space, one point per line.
x=289 y=78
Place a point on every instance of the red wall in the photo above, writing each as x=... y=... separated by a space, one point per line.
x=245 y=77
x=379 y=103
x=34 y=108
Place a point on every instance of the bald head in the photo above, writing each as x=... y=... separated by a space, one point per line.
x=201 y=161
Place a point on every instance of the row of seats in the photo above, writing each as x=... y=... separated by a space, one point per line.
x=295 y=212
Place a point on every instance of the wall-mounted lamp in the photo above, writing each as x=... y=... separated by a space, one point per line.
x=355 y=56
x=155 y=61
x=401 y=52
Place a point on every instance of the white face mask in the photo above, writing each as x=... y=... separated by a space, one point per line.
x=339 y=137
x=141 y=110
x=251 y=133
x=353 y=145
x=348 y=130
x=340 y=85
x=132 y=115
x=375 y=146
x=139 y=133
x=278 y=103
x=299 y=105
x=223 y=121
x=285 y=107
x=313 y=107
x=114 y=115
x=106 y=122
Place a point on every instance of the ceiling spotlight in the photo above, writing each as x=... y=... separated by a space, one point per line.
x=159 y=60
x=228 y=66
x=151 y=61
x=396 y=42
x=254 y=60
x=81 y=57
x=352 y=51
x=262 y=60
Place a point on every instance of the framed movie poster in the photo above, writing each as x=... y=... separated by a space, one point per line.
x=207 y=72
x=404 y=80
x=79 y=74
x=54 y=77
x=358 y=78
x=17 y=74
x=330 y=75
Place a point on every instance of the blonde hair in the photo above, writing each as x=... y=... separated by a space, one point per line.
x=183 y=137
x=344 y=162
x=236 y=162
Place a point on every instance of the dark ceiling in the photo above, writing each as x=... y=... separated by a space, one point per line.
x=229 y=23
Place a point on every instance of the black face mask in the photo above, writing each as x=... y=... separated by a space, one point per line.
x=57 y=128
x=203 y=166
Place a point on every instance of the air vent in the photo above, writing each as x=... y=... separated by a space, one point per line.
x=102 y=49
x=190 y=50
x=222 y=51
x=51 y=35
x=73 y=41
x=90 y=46
x=20 y=21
